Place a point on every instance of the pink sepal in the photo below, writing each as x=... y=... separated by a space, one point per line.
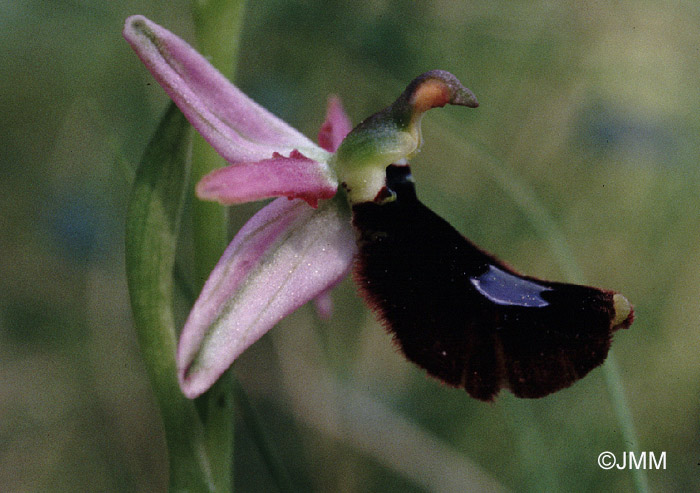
x=236 y=126
x=286 y=255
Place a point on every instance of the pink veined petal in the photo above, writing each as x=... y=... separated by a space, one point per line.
x=336 y=126
x=235 y=125
x=293 y=177
x=283 y=257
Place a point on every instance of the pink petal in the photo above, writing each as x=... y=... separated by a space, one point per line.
x=336 y=126
x=293 y=177
x=283 y=257
x=236 y=126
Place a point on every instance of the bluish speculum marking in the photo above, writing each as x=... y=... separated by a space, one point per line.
x=503 y=288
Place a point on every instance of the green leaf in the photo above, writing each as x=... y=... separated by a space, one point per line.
x=152 y=227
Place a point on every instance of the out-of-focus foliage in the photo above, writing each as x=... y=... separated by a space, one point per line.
x=591 y=107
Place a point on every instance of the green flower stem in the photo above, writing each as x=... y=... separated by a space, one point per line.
x=265 y=444
x=209 y=220
x=152 y=228
x=218 y=25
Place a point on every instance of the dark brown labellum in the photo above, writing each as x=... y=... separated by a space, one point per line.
x=466 y=317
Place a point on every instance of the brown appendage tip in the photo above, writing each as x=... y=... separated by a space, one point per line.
x=436 y=89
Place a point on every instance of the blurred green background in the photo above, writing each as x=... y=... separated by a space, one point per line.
x=587 y=141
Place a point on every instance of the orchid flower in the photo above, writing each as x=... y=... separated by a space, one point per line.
x=339 y=204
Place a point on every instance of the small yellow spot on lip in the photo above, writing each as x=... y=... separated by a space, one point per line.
x=430 y=94
x=623 y=309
